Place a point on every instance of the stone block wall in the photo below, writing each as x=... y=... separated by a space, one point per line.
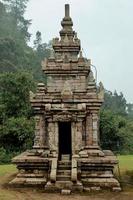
x=55 y=83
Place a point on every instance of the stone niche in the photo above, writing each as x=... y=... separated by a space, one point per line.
x=66 y=154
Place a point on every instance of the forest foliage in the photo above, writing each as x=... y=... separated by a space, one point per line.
x=20 y=70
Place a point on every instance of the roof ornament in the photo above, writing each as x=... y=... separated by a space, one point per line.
x=66 y=40
x=91 y=77
x=80 y=54
x=101 y=91
x=67 y=10
x=76 y=37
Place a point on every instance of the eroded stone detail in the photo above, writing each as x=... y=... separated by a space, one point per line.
x=70 y=99
x=101 y=91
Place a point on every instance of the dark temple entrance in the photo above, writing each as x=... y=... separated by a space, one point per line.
x=65 y=146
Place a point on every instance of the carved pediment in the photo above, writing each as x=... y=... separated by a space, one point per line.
x=64 y=116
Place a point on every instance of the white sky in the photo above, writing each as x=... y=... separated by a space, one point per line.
x=105 y=28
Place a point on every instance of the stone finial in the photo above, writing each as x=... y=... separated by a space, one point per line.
x=81 y=58
x=81 y=54
x=101 y=91
x=76 y=36
x=67 y=10
x=91 y=77
x=66 y=90
x=66 y=22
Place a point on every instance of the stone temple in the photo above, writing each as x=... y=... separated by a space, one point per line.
x=66 y=154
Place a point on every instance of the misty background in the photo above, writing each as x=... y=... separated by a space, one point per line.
x=105 y=28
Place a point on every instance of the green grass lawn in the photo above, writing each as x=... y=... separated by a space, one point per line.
x=125 y=162
x=6 y=169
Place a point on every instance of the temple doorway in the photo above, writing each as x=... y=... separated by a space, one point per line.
x=65 y=141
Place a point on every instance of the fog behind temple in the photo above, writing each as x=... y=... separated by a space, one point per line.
x=105 y=28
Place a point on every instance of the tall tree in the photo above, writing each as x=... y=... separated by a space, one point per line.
x=116 y=132
x=38 y=40
x=17 y=9
x=41 y=50
x=16 y=126
x=130 y=110
x=14 y=93
x=115 y=102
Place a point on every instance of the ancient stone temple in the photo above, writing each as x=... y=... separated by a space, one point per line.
x=66 y=154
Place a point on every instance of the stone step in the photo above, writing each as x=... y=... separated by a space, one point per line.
x=62 y=168
x=65 y=192
x=100 y=182
x=96 y=175
x=63 y=172
x=30 y=175
x=65 y=157
x=58 y=186
x=63 y=178
x=64 y=184
x=65 y=162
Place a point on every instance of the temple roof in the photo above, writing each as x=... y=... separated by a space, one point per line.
x=68 y=41
x=66 y=54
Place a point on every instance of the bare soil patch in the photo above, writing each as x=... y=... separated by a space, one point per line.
x=7 y=193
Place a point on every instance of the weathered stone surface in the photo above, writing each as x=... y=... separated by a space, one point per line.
x=69 y=158
x=66 y=192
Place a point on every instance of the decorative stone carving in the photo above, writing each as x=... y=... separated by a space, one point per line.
x=66 y=112
x=66 y=92
x=91 y=77
x=64 y=116
x=101 y=91
x=66 y=40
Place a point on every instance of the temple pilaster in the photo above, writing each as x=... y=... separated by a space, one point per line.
x=40 y=132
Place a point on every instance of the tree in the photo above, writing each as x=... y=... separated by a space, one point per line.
x=17 y=8
x=17 y=134
x=42 y=51
x=16 y=124
x=115 y=102
x=116 y=132
x=14 y=93
x=14 y=51
x=38 y=40
x=108 y=130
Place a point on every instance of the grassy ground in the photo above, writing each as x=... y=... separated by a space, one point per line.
x=7 y=171
x=125 y=162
